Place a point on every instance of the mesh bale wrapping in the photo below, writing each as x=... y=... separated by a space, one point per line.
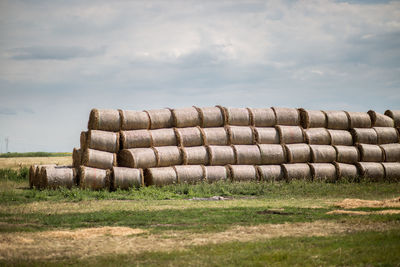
x=266 y=135
x=247 y=154
x=371 y=170
x=317 y=136
x=345 y=170
x=237 y=116
x=99 y=159
x=286 y=116
x=160 y=176
x=105 y=120
x=272 y=153
x=221 y=155
x=215 y=136
x=296 y=171
x=137 y=158
x=290 y=134
x=216 y=173
x=126 y=178
x=337 y=120
x=134 y=120
x=347 y=154
x=380 y=120
x=76 y=157
x=168 y=156
x=160 y=118
x=186 y=117
x=211 y=116
x=240 y=135
x=136 y=139
x=370 y=153
x=359 y=119
x=93 y=178
x=322 y=153
x=387 y=135
x=262 y=117
x=298 y=153
x=391 y=152
x=163 y=137
x=243 y=173
x=57 y=177
x=392 y=171
x=191 y=136
x=395 y=115
x=365 y=135
x=312 y=118
x=196 y=155
x=103 y=141
x=270 y=173
x=341 y=137
x=323 y=171
x=189 y=174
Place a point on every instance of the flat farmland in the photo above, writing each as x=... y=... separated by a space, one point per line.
x=18 y=162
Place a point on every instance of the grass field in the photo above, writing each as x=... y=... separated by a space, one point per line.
x=297 y=223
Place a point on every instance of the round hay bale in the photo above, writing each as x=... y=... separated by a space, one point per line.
x=322 y=153
x=215 y=136
x=344 y=170
x=262 y=117
x=137 y=158
x=99 y=159
x=298 y=153
x=312 y=118
x=266 y=135
x=371 y=170
x=32 y=174
x=296 y=171
x=211 y=116
x=216 y=173
x=160 y=118
x=37 y=180
x=186 y=117
x=391 y=152
x=134 y=120
x=240 y=135
x=370 y=153
x=387 y=135
x=160 y=176
x=323 y=171
x=364 y=136
x=135 y=139
x=347 y=154
x=272 y=154
x=126 y=178
x=392 y=171
x=237 y=116
x=290 y=134
x=168 y=156
x=103 y=141
x=240 y=173
x=76 y=158
x=270 y=173
x=247 y=154
x=191 y=136
x=195 y=155
x=83 y=140
x=380 y=120
x=317 y=136
x=189 y=174
x=286 y=116
x=337 y=120
x=95 y=179
x=105 y=120
x=163 y=137
x=221 y=155
x=359 y=119
x=56 y=177
x=395 y=115
x=340 y=137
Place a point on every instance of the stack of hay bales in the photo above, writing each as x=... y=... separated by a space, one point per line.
x=125 y=149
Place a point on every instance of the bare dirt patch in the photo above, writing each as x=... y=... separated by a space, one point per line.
x=350 y=203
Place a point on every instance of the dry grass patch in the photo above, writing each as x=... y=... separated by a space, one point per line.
x=15 y=163
x=350 y=203
x=356 y=212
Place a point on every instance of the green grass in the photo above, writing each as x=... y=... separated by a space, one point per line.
x=34 y=154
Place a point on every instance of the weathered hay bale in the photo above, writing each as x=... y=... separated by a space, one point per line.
x=272 y=153
x=262 y=117
x=391 y=152
x=370 y=153
x=344 y=170
x=83 y=140
x=163 y=137
x=286 y=116
x=266 y=135
x=168 y=156
x=94 y=179
x=247 y=154
x=380 y=120
x=317 y=136
x=243 y=172
x=126 y=178
x=37 y=180
x=392 y=171
x=323 y=171
x=56 y=177
x=137 y=158
x=186 y=117
x=298 y=153
x=395 y=115
x=221 y=155
x=387 y=135
x=298 y=171
x=160 y=118
x=215 y=136
x=270 y=173
x=134 y=120
x=337 y=120
x=347 y=154
x=103 y=141
x=105 y=120
x=190 y=174
x=312 y=118
x=76 y=157
x=216 y=173
x=211 y=116
x=240 y=135
x=237 y=116
x=99 y=159
x=195 y=155
x=364 y=136
x=32 y=174
x=135 y=139
x=322 y=153
x=340 y=137
x=290 y=134
x=191 y=136
x=359 y=119
x=371 y=170
x=160 y=176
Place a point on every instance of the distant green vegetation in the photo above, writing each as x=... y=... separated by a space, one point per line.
x=14 y=175
x=34 y=154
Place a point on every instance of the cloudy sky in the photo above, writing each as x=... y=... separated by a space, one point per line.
x=59 y=59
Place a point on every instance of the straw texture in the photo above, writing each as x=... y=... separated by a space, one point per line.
x=221 y=155
x=32 y=174
x=270 y=173
x=196 y=155
x=191 y=136
x=160 y=176
x=137 y=158
x=243 y=173
x=186 y=117
x=76 y=158
x=317 y=136
x=298 y=153
x=168 y=156
x=104 y=119
x=395 y=115
x=135 y=139
x=266 y=135
x=364 y=136
x=240 y=135
x=126 y=178
x=95 y=179
x=392 y=171
x=237 y=116
x=370 y=153
x=380 y=120
x=99 y=159
x=211 y=116
x=341 y=137
x=37 y=181
x=387 y=135
x=345 y=170
x=215 y=136
x=160 y=118
x=247 y=154
x=371 y=170
x=163 y=137
x=272 y=154
x=216 y=173
x=297 y=171
x=347 y=154
x=190 y=174
x=323 y=171
x=134 y=120
x=290 y=134
x=83 y=140
x=103 y=141
x=322 y=153
x=391 y=152
x=359 y=119
x=286 y=116
x=262 y=117
x=312 y=118
x=337 y=120
x=53 y=177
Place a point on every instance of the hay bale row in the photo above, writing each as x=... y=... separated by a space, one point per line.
x=98 y=159
x=359 y=119
x=395 y=115
x=100 y=140
x=380 y=120
x=312 y=118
